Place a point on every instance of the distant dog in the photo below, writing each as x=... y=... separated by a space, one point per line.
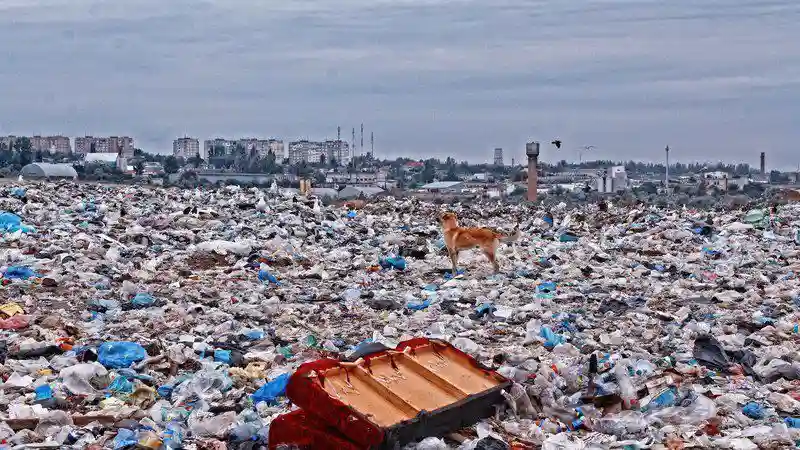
x=457 y=238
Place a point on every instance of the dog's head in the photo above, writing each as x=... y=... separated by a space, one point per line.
x=448 y=220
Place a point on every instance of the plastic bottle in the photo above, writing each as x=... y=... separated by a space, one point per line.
x=173 y=435
x=626 y=389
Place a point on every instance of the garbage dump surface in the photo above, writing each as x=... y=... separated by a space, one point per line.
x=174 y=318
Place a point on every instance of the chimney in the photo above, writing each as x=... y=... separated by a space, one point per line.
x=763 y=163
x=532 y=151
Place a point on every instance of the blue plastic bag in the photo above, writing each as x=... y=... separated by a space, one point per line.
x=44 y=392
x=125 y=438
x=393 y=262
x=792 y=422
x=143 y=300
x=223 y=356
x=121 y=384
x=551 y=339
x=19 y=273
x=18 y=192
x=547 y=286
x=11 y=222
x=416 y=305
x=753 y=410
x=265 y=276
x=271 y=390
x=119 y=355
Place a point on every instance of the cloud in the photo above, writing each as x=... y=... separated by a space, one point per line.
x=714 y=79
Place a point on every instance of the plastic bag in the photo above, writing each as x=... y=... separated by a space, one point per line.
x=119 y=355
x=270 y=391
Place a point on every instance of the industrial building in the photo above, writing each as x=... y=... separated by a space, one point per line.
x=47 y=171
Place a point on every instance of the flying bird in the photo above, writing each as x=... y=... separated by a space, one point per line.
x=557 y=143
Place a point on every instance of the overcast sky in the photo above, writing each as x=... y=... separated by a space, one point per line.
x=714 y=79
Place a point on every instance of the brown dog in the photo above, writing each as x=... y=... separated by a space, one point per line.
x=457 y=238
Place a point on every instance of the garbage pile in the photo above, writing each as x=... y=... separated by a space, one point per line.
x=148 y=317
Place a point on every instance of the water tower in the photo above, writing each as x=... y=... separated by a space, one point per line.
x=532 y=151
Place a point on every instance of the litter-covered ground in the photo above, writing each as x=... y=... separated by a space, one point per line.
x=168 y=318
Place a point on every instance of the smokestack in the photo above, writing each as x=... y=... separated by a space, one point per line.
x=338 y=133
x=763 y=163
x=532 y=151
x=666 y=175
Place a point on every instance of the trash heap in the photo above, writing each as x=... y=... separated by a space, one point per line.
x=148 y=317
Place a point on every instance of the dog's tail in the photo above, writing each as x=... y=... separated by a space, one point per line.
x=509 y=237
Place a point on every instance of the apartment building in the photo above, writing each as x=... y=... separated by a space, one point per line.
x=121 y=145
x=261 y=147
x=186 y=148
x=337 y=150
x=306 y=151
x=52 y=144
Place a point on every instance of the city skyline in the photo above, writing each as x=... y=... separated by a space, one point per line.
x=715 y=81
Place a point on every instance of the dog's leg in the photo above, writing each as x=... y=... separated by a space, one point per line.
x=454 y=261
x=490 y=253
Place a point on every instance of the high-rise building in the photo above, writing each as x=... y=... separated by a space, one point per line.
x=186 y=148
x=337 y=150
x=121 y=145
x=52 y=144
x=498 y=156
x=306 y=151
x=220 y=147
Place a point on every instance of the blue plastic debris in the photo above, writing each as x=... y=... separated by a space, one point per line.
x=351 y=214
x=551 y=339
x=753 y=410
x=44 y=392
x=265 y=277
x=273 y=389
x=125 y=438
x=449 y=275
x=19 y=273
x=121 y=384
x=484 y=309
x=121 y=354
x=18 y=192
x=223 y=356
x=567 y=237
x=547 y=286
x=393 y=262
x=143 y=300
x=10 y=222
x=418 y=305
x=792 y=422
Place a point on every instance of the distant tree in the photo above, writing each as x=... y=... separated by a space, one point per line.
x=195 y=161
x=171 y=164
x=189 y=176
x=93 y=148
x=733 y=188
x=139 y=167
x=333 y=162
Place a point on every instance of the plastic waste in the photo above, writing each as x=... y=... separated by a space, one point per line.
x=271 y=390
x=119 y=355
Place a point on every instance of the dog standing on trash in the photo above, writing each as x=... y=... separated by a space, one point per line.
x=464 y=238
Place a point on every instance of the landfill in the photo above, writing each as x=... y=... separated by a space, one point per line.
x=164 y=318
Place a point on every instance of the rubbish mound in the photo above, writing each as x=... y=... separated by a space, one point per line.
x=149 y=317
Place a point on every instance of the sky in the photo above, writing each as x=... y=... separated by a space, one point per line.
x=713 y=79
